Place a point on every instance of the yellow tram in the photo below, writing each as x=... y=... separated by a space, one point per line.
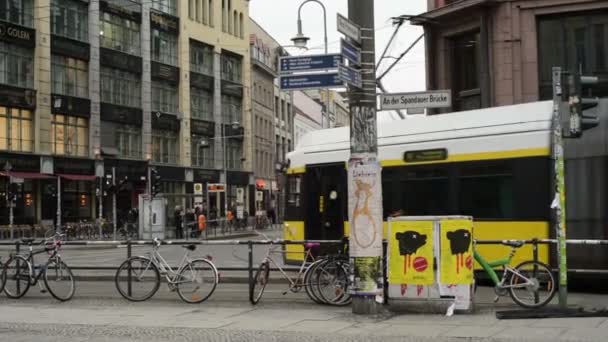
x=493 y=164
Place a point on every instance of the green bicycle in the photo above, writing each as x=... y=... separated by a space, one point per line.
x=531 y=284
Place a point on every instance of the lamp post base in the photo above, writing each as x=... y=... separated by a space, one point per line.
x=365 y=305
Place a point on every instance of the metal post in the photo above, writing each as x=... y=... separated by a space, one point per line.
x=11 y=215
x=559 y=200
x=17 y=248
x=250 y=266
x=225 y=171
x=100 y=218
x=129 y=272
x=114 y=200
x=59 y=228
x=364 y=172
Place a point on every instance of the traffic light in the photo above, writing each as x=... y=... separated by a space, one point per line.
x=156 y=182
x=578 y=120
x=13 y=190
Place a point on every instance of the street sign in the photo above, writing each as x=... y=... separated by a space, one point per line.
x=351 y=76
x=311 y=81
x=309 y=63
x=350 y=52
x=198 y=188
x=426 y=99
x=415 y=111
x=349 y=29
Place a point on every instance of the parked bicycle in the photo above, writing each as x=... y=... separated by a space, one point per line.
x=138 y=278
x=312 y=273
x=531 y=284
x=20 y=271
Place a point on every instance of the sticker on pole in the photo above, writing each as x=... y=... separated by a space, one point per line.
x=456 y=261
x=365 y=209
x=411 y=253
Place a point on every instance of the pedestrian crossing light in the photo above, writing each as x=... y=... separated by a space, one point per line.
x=578 y=120
x=156 y=182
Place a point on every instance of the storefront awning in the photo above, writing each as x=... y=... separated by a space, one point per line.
x=77 y=177
x=26 y=175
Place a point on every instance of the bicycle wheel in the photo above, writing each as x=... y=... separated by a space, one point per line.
x=333 y=283
x=59 y=280
x=144 y=276
x=311 y=280
x=197 y=281
x=2 y=277
x=259 y=282
x=17 y=272
x=534 y=295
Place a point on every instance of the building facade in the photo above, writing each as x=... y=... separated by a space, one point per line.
x=95 y=93
x=501 y=52
x=307 y=115
x=337 y=115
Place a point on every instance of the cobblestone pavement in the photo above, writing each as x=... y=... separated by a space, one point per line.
x=98 y=314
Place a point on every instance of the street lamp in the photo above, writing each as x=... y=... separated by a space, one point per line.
x=300 y=41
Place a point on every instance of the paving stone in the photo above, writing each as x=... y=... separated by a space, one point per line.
x=468 y=331
x=585 y=334
x=526 y=333
x=587 y=322
x=329 y=326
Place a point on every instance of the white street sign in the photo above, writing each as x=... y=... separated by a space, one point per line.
x=426 y=99
x=198 y=188
x=348 y=28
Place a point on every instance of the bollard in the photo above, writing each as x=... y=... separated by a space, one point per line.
x=129 y=272
x=250 y=249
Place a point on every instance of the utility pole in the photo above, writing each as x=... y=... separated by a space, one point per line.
x=364 y=173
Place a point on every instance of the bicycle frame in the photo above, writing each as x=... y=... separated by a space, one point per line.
x=33 y=277
x=164 y=267
x=488 y=267
x=293 y=283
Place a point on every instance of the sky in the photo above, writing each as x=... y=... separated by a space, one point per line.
x=279 y=18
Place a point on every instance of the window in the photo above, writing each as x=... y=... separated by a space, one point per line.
x=223 y=15
x=205 y=12
x=16 y=129
x=120 y=34
x=234 y=152
x=69 y=18
x=192 y=9
x=69 y=76
x=211 y=13
x=201 y=58
x=418 y=191
x=128 y=141
x=465 y=71
x=17 y=11
x=202 y=156
x=574 y=42
x=231 y=109
x=235 y=22
x=167 y=6
x=201 y=104
x=16 y=65
x=120 y=87
x=294 y=189
x=75 y=200
x=165 y=147
x=164 y=47
x=242 y=32
x=164 y=97
x=231 y=68
x=70 y=135
x=486 y=192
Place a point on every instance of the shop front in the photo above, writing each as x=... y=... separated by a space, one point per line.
x=127 y=179
x=77 y=184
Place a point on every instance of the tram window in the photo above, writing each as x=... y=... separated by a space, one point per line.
x=421 y=192
x=293 y=198
x=486 y=192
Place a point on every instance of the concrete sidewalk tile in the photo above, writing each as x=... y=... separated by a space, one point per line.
x=457 y=319
x=297 y=315
x=261 y=323
x=419 y=330
x=362 y=329
x=585 y=334
x=525 y=333
x=516 y=322
x=319 y=326
x=604 y=324
x=473 y=331
x=586 y=322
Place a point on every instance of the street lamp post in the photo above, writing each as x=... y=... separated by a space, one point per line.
x=300 y=40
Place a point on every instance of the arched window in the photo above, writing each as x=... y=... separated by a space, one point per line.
x=235 y=19
x=242 y=33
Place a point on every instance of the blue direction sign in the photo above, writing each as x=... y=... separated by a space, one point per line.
x=350 y=76
x=311 y=81
x=309 y=63
x=350 y=52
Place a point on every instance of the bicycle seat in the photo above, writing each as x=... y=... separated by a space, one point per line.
x=514 y=244
x=312 y=245
x=27 y=240
x=189 y=247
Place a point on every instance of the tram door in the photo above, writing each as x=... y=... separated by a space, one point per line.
x=325 y=188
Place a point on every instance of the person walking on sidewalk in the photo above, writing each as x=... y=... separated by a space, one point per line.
x=177 y=219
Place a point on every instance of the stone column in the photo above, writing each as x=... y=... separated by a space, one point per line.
x=94 y=80
x=146 y=81
x=42 y=78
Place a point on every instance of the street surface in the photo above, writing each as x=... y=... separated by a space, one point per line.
x=98 y=314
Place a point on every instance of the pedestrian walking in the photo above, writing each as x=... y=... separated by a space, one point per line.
x=177 y=219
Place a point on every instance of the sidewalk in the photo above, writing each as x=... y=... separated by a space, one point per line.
x=229 y=317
